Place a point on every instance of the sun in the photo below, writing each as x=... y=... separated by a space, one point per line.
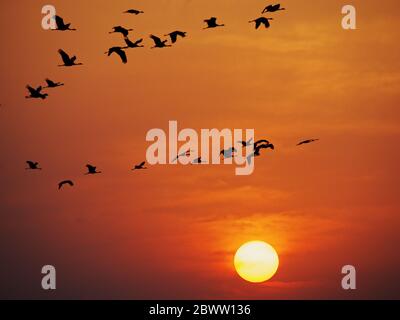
x=256 y=261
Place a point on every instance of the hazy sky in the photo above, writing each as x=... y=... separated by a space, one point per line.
x=172 y=231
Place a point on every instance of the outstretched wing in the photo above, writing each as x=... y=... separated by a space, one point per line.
x=59 y=21
x=156 y=40
x=31 y=90
x=121 y=54
x=174 y=37
x=64 y=56
x=142 y=164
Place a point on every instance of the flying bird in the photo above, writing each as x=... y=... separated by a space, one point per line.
x=140 y=166
x=158 y=43
x=61 y=26
x=174 y=35
x=131 y=44
x=122 y=30
x=65 y=182
x=133 y=11
x=91 y=169
x=33 y=165
x=52 y=84
x=262 y=20
x=212 y=23
x=307 y=141
x=257 y=151
x=36 y=93
x=119 y=51
x=273 y=8
x=68 y=62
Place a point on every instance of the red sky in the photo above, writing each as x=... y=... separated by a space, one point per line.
x=171 y=232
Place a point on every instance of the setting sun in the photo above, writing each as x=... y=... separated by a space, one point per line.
x=256 y=261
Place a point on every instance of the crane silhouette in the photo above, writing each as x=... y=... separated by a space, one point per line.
x=131 y=44
x=122 y=30
x=61 y=26
x=307 y=141
x=212 y=23
x=91 y=170
x=36 y=93
x=174 y=35
x=158 y=43
x=262 y=20
x=119 y=51
x=33 y=165
x=257 y=151
x=52 y=84
x=273 y=8
x=140 y=166
x=65 y=182
x=133 y=11
x=68 y=61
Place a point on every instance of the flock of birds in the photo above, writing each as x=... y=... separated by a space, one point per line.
x=256 y=146
x=70 y=61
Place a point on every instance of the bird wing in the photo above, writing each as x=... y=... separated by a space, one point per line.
x=142 y=164
x=128 y=42
x=31 y=90
x=139 y=41
x=174 y=37
x=121 y=54
x=64 y=56
x=49 y=82
x=31 y=163
x=156 y=40
x=59 y=21
x=258 y=23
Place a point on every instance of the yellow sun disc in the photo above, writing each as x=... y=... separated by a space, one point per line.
x=256 y=261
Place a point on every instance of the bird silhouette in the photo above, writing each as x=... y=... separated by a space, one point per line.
x=119 y=51
x=307 y=141
x=158 y=43
x=68 y=62
x=272 y=8
x=262 y=20
x=33 y=165
x=92 y=170
x=52 y=84
x=65 y=182
x=257 y=151
x=133 y=11
x=212 y=23
x=228 y=153
x=131 y=44
x=140 y=166
x=61 y=26
x=122 y=30
x=36 y=93
x=174 y=35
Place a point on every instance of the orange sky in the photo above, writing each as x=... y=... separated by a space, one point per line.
x=171 y=232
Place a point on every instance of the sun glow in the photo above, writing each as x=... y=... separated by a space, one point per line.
x=256 y=261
